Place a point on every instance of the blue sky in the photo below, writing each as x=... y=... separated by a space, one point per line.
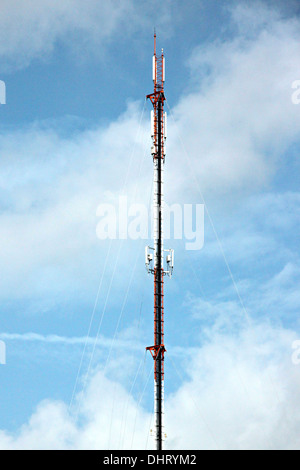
x=75 y=133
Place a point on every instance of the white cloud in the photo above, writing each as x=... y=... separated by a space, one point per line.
x=244 y=392
x=241 y=393
x=279 y=296
x=236 y=117
x=50 y=194
x=237 y=125
x=30 y=29
x=257 y=230
x=101 y=341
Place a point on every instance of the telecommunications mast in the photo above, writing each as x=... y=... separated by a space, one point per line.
x=157 y=257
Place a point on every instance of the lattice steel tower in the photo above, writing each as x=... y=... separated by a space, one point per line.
x=157 y=257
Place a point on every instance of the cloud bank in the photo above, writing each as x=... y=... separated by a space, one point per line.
x=239 y=392
x=32 y=29
x=236 y=119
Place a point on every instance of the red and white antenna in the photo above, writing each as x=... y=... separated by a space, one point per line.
x=157 y=257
